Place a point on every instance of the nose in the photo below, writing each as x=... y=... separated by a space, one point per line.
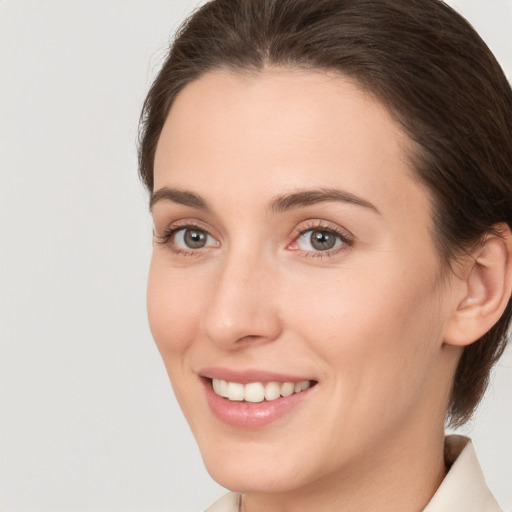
x=243 y=305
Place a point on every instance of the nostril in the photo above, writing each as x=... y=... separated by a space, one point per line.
x=249 y=338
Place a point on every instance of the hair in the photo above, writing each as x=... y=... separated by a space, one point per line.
x=425 y=63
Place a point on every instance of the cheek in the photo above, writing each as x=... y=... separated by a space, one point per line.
x=173 y=312
x=376 y=330
x=354 y=310
x=172 y=308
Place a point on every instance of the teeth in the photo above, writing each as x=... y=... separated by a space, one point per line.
x=223 y=388
x=256 y=392
x=272 y=391
x=236 y=391
x=301 y=386
x=287 y=388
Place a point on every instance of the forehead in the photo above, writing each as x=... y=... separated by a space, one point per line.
x=265 y=132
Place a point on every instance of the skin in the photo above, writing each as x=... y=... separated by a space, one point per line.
x=367 y=320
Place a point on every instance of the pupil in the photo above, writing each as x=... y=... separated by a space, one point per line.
x=195 y=239
x=322 y=240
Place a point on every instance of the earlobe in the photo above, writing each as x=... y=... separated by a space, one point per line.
x=488 y=287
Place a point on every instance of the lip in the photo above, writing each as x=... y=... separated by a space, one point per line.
x=250 y=375
x=246 y=415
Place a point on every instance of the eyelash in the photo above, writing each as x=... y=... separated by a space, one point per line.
x=346 y=239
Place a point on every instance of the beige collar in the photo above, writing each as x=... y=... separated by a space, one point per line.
x=464 y=486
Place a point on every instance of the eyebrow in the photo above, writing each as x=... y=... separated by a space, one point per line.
x=280 y=204
x=315 y=196
x=178 y=196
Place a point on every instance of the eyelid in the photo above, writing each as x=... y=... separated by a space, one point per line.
x=320 y=224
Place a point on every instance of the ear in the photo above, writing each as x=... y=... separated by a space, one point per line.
x=487 y=287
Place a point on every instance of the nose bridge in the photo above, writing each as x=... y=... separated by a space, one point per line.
x=242 y=305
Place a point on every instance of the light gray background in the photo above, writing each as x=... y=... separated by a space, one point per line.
x=87 y=418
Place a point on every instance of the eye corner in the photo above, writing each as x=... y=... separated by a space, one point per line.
x=158 y=239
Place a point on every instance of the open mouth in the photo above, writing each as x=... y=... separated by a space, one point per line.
x=256 y=392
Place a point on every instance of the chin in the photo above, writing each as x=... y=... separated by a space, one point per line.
x=251 y=464
x=245 y=475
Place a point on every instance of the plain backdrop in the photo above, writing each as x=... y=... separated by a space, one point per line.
x=87 y=417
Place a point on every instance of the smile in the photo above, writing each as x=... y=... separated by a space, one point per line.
x=256 y=392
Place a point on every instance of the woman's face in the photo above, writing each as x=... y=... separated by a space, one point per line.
x=294 y=244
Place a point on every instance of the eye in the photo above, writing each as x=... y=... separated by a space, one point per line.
x=319 y=240
x=192 y=238
x=186 y=239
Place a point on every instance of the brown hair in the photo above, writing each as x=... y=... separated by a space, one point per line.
x=418 y=57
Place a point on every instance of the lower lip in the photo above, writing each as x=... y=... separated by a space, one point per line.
x=251 y=415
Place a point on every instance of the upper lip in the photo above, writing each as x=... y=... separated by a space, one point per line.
x=249 y=375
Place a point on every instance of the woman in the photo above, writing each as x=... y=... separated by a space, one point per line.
x=331 y=278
